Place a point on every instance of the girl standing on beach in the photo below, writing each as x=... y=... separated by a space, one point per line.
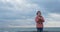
x=39 y=22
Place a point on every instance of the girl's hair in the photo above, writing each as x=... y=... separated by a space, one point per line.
x=38 y=12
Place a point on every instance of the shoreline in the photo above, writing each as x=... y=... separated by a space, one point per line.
x=36 y=31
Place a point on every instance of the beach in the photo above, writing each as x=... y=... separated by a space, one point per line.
x=56 y=29
x=34 y=31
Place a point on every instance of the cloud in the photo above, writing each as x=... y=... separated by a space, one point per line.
x=53 y=6
x=53 y=16
x=16 y=12
x=17 y=8
x=52 y=24
x=22 y=12
x=49 y=6
x=20 y=23
x=52 y=20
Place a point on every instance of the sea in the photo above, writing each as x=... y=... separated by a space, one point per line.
x=48 y=29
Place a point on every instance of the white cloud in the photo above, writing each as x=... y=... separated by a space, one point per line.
x=21 y=22
x=54 y=15
x=29 y=26
x=52 y=20
x=22 y=5
x=19 y=9
x=52 y=24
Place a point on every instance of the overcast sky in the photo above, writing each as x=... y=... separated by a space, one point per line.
x=21 y=13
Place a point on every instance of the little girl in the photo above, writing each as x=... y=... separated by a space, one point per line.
x=39 y=22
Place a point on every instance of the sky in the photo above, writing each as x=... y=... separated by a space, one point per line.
x=22 y=13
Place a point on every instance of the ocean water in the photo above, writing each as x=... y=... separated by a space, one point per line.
x=56 y=29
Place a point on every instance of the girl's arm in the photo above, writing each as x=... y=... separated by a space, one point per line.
x=43 y=19
x=36 y=19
